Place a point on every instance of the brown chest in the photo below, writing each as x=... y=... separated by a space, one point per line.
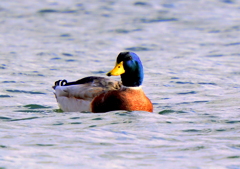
x=129 y=99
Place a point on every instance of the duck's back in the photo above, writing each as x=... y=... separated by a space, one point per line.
x=127 y=98
x=77 y=96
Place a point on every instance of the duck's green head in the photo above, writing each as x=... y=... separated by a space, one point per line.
x=129 y=66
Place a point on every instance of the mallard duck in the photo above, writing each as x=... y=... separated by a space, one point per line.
x=100 y=94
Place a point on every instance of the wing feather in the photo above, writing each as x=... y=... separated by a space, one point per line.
x=77 y=96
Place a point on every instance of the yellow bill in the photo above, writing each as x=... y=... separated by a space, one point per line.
x=117 y=70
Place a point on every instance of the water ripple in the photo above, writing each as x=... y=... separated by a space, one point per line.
x=44 y=11
x=207 y=83
x=28 y=118
x=4 y=118
x=190 y=92
x=171 y=111
x=5 y=95
x=36 y=106
x=45 y=145
x=215 y=55
x=232 y=121
x=48 y=11
x=11 y=81
x=138 y=48
x=65 y=35
x=67 y=54
x=23 y=91
x=179 y=82
x=232 y=44
x=158 y=19
x=3 y=66
x=141 y=3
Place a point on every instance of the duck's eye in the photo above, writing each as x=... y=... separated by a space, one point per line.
x=129 y=58
x=118 y=66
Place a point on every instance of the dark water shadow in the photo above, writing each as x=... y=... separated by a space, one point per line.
x=35 y=108
x=171 y=111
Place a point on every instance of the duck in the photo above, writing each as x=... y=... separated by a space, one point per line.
x=100 y=94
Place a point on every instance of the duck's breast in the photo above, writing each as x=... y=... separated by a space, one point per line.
x=130 y=99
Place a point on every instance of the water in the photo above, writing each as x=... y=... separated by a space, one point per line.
x=191 y=54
